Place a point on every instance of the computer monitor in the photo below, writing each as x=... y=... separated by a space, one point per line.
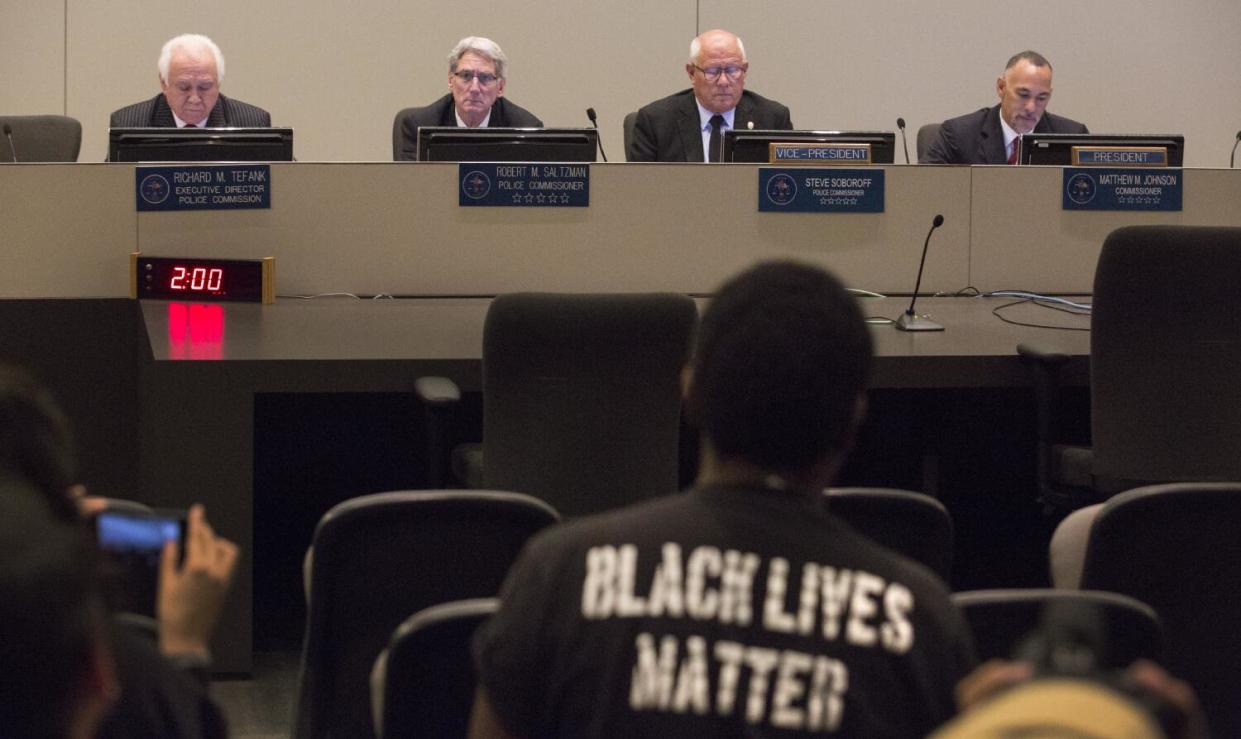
x=200 y=144
x=753 y=145
x=1056 y=149
x=452 y=144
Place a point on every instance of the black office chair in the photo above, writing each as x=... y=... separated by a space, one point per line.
x=1164 y=358
x=40 y=138
x=912 y=524
x=927 y=133
x=1176 y=547
x=379 y=558
x=1001 y=620
x=631 y=121
x=581 y=398
x=423 y=683
x=398 y=139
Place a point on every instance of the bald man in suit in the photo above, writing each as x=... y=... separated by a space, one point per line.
x=989 y=136
x=678 y=128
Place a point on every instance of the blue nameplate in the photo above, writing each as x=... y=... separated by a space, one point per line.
x=524 y=185
x=198 y=187
x=1120 y=156
x=1122 y=189
x=820 y=190
x=816 y=153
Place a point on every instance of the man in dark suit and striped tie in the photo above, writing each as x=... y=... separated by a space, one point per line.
x=191 y=69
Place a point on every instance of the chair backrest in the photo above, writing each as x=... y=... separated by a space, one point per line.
x=40 y=138
x=927 y=133
x=427 y=682
x=379 y=558
x=913 y=524
x=1165 y=357
x=1176 y=547
x=581 y=396
x=1002 y=619
x=398 y=139
x=631 y=121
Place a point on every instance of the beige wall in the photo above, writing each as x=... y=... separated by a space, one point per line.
x=338 y=72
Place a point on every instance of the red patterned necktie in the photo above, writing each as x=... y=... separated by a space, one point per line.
x=1012 y=158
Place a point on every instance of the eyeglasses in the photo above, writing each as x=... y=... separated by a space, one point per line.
x=485 y=79
x=733 y=72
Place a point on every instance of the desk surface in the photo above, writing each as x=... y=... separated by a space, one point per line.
x=976 y=349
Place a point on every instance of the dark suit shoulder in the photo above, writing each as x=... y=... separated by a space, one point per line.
x=1059 y=124
x=132 y=116
x=507 y=114
x=959 y=139
x=243 y=115
x=762 y=112
x=676 y=102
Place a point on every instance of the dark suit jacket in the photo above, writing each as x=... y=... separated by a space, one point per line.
x=669 y=130
x=155 y=113
x=504 y=114
x=977 y=138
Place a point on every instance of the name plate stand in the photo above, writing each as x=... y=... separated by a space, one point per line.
x=203 y=187
x=829 y=190
x=523 y=185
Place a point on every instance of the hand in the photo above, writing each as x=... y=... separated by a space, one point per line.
x=1190 y=722
x=989 y=679
x=191 y=597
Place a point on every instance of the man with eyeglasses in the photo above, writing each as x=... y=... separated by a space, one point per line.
x=688 y=126
x=476 y=76
x=989 y=135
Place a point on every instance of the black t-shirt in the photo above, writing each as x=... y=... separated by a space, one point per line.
x=717 y=612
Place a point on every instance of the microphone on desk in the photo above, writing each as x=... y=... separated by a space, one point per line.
x=900 y=123
x=909 y=321
x=1232 y=158
x=8 y=133
x=590 y=113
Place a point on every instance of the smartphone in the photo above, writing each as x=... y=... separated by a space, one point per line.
x=131 y=544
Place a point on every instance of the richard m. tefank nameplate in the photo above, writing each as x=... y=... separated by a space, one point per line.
x=524 y=185
x=808 y=190
x=199 y=187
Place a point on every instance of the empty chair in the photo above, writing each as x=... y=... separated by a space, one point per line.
x=40 y=138
x=379 y=558
x=581 y=397
x=1001 y=620
x=423 y=683
x=1176 y=548
x=913 y=524
x=927 y=133
x=1165 y=403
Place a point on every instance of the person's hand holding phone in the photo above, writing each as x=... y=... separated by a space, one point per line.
x=191 y=595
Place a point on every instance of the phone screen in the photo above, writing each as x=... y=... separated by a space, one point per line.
x=131 y=544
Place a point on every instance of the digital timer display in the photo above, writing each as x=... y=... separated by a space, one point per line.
x=185 y=278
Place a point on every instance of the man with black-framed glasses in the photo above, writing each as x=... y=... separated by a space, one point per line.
x=477 y=70
x=688 y=126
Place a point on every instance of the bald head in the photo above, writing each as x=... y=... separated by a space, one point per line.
x=717 y=69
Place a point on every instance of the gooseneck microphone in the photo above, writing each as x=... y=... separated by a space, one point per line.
x=590 y=113
x=910 y=321
x=8 y=134
x=900 y=123
x=1232 y=158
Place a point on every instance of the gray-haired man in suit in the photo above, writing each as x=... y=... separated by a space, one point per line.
x=191 y=69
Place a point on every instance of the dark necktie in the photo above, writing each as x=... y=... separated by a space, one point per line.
x=1012 y=158
x=190 y=125
x=714 y=146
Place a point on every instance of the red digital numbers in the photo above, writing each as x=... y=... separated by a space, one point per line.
x=198 y=278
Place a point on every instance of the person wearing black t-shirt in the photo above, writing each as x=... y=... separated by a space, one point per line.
x=741 y=606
